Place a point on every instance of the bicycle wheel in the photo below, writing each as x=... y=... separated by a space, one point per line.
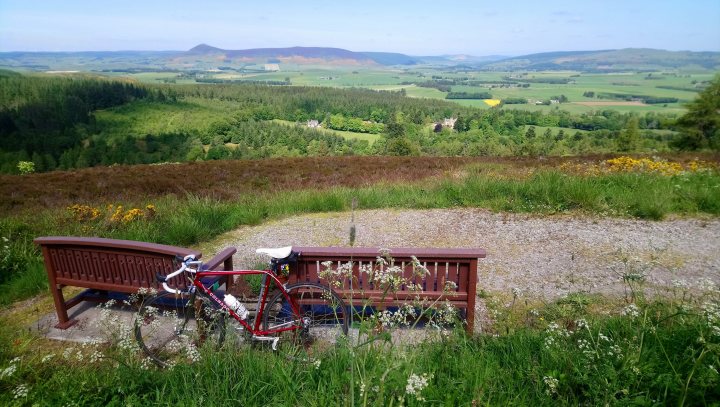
x=172 y=329
x=321 y=321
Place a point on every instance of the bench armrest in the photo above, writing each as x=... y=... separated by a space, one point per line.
x=223 y=258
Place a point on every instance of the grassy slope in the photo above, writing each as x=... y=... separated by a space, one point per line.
x=193 y=115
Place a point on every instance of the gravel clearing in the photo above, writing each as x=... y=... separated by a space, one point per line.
x=545 y=257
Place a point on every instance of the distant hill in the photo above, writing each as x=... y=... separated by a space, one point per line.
x=610 y=60
x=207 y=57
x=303 y=55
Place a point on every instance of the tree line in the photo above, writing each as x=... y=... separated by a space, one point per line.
x=50 y=121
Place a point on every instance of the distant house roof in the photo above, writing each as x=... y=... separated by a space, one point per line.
x=449 y=122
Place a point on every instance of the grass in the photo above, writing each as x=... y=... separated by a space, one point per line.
x=661 y=352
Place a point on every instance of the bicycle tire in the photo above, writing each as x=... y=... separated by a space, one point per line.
x=169 y=329
x=324 y=314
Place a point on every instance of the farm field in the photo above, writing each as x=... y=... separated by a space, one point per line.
x=680 y=85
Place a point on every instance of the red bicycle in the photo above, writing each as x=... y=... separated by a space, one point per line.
x=172 y=325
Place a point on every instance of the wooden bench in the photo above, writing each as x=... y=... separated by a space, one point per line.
x=110 y=265
x=457 y=265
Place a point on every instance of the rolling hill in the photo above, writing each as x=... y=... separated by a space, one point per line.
x=610 y=60
x=204 y=57
x=301 y=55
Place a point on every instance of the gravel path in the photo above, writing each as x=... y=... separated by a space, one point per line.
x=545 y=257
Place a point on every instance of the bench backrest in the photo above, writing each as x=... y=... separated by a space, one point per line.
x=456 y=265
x=108 y=264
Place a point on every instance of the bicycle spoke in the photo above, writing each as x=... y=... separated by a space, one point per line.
x=169 y=330
x=321 y=319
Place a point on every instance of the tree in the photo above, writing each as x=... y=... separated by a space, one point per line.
x=530 y=133
x=629 y=139
x=701 y=124
x=395 y=130
x=402 y=146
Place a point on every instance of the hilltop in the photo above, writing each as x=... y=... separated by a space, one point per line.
x=610 y=60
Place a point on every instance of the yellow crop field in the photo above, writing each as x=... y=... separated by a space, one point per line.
x=492 y=102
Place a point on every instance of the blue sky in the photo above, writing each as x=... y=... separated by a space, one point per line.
x=510 y=27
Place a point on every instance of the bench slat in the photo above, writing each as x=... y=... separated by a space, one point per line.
x=456 y=265
x=111 y=265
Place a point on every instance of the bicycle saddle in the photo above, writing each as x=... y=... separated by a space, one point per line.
x=278 y=253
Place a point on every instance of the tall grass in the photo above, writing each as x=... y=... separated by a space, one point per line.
x=662 y=354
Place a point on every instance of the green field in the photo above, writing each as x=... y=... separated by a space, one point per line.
x=392 y=79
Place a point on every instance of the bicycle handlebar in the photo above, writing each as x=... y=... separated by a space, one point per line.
x=188 y=260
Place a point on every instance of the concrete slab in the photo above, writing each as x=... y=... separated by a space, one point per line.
x=87 y=329
x=96 y=321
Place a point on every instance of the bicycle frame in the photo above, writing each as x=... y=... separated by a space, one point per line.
x=254 y=329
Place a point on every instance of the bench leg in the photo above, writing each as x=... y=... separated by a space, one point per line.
x=229 y=280
x=61 y=308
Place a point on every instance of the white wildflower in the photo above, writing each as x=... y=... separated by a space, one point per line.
x=631 y=311
x=96 y=356
x=317 y=364
x=68 y=352
x=680 y=284
x=715 y=330
x=450 y=286
x=517 y=292
x=552 y=384
x=8 y=371
x=146 y=363
x=706 y=284
x=192 y=353
x=416 y=384
x=21 y=391
x=47 y=358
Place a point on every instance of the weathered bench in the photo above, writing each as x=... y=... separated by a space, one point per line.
x=457 y=265
x=110 y=265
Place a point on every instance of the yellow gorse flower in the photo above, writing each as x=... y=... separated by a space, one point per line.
x=637 y=165
x=84 y=212
x=113 y=214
